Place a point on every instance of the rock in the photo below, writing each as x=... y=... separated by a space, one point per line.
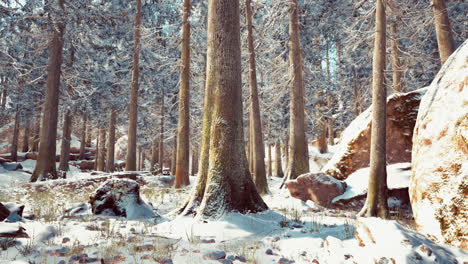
x=12 y=166
x=269 y=251
x=77 y=209
x=285 y=261
x=439 y=182
x=11 y=230
x=225 y=261
x=317 y=187
x=120 y=197
x=4 y=212
x=65 y=240
x=86 y=165
x=31 y=155
x=16 y=212
x=215 y=255
x=353 y=151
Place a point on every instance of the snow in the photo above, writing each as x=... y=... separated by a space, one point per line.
x=398 y=176
x=290 y=229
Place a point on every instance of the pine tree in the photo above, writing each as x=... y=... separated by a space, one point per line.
x=443 y=30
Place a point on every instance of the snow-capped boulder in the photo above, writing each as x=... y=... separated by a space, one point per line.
x=354 y=148
x=16 y=212
x=86 y=165
x=317 y=187
x=4 y=212
x=439 y=182
x=12 y=230
x=120 y=197
x=12 y=166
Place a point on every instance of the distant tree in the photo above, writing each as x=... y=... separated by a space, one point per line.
x=45 y=166
x=131 y=158
x=183 y=133
x=110 y=167
x=443 y=30
x=376 y=202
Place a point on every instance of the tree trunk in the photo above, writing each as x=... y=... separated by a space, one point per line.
x=278 y=172
x=101 y=155
x=96 y=154
x=194 y=161
x=257 y=145
x=161 y=134
x=183 y=137
x=4 y=98
x=250 y=142
x=130 y=163
x=331 y=132
x=83 y=138
x=65 y=147
x=286 y=152
x=110 y=162
x=396 y=66
x=45 y=165
x=88 y=133
x=174 y=154
x=14 y=140
x=25 y=146
x=154 y=155
x=270 y=161
x=229 y=186
x=298 y=154
x=376 y=202
x=37 y=129
x=443 y=30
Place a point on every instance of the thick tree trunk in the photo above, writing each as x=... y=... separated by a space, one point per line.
x=83 y=138
x=396 y=66
x=443 y=30
x=65 y=147
x=376 y=202
x=278 y=172
x=250 y=142
x=298 y=154
x=161 y=134
x=101 y=155
x=154 y=155
x=257 y=145
x=130 y=163
x=183 y=137
x=110 y=162
x=27 y=126
x=15 y=139
x=229 y=186
x=45 y=165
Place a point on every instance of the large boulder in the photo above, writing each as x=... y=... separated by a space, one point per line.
x=4 y=212
x=439 y=182
x=120 y=197
x=353 y=152
x=317 y=187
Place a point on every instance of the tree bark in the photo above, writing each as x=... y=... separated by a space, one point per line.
x=174 y=154
x=330 y=121
x=278 y=172
x=183 y=137
x=110 y=162
x=257 y=145
x=45 y=165
x=376 y=202
x=88 y=133
x=396 y=66
x=443 y=30
x=298 y=154
x=270 y=161
x=101 y=155
x=161 y=134
x=37 y=129
x=65 y=147
x=4 y=98
x=286 y=151
x=27 y=126
x=15 y=139
x=229 y=186
x=83 y=138
x=154 y=155
x=130 y=163
x=194 y=161
x=96 y=154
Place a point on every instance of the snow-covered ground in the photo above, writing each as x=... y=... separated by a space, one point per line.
x=290 y=231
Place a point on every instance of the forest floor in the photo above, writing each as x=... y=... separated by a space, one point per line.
x=292 y=231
